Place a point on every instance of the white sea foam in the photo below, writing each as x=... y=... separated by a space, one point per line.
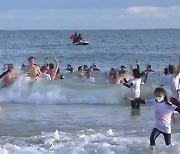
x=69 y=92
x=96 y=143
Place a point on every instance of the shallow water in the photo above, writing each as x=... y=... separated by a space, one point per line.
x=89 y=119
x=82 y=129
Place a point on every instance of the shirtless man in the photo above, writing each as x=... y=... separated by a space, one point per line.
x=52 y=71
x=10 y=77
x=32 y=69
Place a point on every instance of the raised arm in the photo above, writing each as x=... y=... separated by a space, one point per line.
x=56 y=63
x=137 y=63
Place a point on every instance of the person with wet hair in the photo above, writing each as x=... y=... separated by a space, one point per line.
x=163 y=111
x=135 y=86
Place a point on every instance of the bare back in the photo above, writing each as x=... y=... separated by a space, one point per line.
x=9 y=79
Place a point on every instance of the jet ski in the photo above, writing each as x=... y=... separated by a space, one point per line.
x=82 y=42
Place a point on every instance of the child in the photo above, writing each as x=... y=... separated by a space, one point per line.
x=163 y=112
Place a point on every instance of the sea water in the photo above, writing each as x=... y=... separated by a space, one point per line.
x=69 y=117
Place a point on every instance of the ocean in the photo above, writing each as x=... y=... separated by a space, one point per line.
x=70 y=117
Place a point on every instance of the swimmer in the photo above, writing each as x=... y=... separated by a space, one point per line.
x=10 y=77
x=32 y=69
x=52 y=71
x=44 y=74
x=88 y=78
x=135 y=86
x=163 y=112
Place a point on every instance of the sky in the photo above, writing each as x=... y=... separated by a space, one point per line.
x=88 y=14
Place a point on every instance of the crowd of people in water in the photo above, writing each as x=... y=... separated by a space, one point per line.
x=164 y=108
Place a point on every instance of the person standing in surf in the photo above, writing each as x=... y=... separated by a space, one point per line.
x=174 y=83
x=135 y=86
x=163 y=112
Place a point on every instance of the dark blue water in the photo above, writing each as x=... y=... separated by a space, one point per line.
x=107 y=48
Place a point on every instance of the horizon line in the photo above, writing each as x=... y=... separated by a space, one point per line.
x=88 y=29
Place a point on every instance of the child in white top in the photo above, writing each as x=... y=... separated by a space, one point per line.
x=163 y=112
